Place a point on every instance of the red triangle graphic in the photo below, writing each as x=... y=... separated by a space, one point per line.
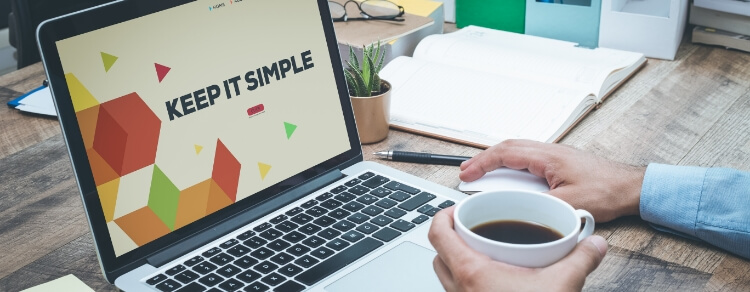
x=161 y=71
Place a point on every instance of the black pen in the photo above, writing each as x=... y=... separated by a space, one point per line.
x=426 y=158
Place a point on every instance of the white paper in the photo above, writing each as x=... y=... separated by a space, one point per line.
x=38 y=102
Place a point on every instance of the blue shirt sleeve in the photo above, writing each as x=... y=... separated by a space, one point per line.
x=710 y=204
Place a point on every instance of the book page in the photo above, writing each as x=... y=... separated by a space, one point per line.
x=536 y=59
x=475 y=106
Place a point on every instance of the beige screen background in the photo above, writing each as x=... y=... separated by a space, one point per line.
x=155 y=175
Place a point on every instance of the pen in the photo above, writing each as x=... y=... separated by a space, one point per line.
x=426 y=158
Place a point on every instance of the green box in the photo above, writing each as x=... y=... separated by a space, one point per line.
x=507 y=15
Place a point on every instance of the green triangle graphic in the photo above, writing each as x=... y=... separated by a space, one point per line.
x=289 y=129
x=108 y=61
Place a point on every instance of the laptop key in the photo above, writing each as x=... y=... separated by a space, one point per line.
x=343 y=225
x=211 y=252
x=265 y=267
x=359 y=190
x=245 y=262
x=279 y=245
x=316 y=211
x=168 y=285
x=248 y=276
x=446 y=204
x=386 y=203
x=322 y=252
x=222 y=259
x=381 y=220
x=424 y=208
x=278 y=219
x=298 y=250
x=397 y=186
x=294 y=237
x=289 y=270
x=229 y=243
x=359 y=217
x=294 y=211
x=399 y=196
x=367 y=199
x=386 y=234
x=306 y=261
x=329 y=233
x=246 y=235
x=395 y=213
x=156 y=279
x=432 y=212
x=193 y=261
x=211 y=279
x=282 y=258
x=228 y=270
x=419 y=219
x=192 y=287
x=345 y=197
x=271 y=234
x=338 y=261
x=186 y=277
x=313 y=241
x=324 y=221
x=339 y=213
x=352 y=236
x=416 y=201
x=257 y=287
x=231 y=285
x=337 y=244
x=330 y=204
x=352 y=183
x=375 y=181
x=238 y=250
x=273 y=279
x=301 y=219
x=255 y=242
x=262 y=227
x=366 y=175
x=367 y=228
x=309 y=229
x=338 y=189
x=353 y=206
x=402 y=225
x=174 y=270
x=286 y=226
x=262 y=253
x=204 y=268
x=381 y=192
x=372 y=211
x=324 y=196
x=309 y=203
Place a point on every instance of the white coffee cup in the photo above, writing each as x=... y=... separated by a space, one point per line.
x=522 y=205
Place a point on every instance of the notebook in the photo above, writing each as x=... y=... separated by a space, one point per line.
x=215 y=149
x=480 y=86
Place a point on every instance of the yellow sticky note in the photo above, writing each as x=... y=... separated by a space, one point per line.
x=66 y=283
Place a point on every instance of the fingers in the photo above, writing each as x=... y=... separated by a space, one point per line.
x=516 y=154
x=583 y=260
x=444 y=274
x=450 y=247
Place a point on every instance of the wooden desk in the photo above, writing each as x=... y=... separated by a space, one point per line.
x=692 y=111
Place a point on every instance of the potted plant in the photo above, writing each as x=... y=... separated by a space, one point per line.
x=370 y=95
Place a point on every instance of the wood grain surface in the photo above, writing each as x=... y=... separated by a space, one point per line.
x=691 y=111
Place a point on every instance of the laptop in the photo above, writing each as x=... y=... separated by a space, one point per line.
x=215 y=149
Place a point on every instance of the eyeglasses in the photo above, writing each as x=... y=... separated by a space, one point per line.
x=370 y=10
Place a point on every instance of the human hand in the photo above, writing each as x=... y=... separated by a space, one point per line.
x=605 y=188
x=460 y=268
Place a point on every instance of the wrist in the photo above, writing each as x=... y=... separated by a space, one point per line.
x=631 y=191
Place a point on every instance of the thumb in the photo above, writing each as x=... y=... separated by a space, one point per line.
x=583 y=259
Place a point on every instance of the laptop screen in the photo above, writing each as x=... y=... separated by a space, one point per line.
x=189 y=110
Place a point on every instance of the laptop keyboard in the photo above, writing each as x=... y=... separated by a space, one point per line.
x=307 y=243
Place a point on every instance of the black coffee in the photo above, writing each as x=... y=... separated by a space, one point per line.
x=518 y=232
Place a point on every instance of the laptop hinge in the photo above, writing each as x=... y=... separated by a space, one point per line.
x=242 y=218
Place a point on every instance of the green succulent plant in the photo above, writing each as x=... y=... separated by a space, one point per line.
x=362 y=77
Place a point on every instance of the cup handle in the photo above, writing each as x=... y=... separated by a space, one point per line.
x=588 y=228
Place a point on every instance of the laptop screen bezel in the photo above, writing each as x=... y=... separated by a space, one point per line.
x=106 y=15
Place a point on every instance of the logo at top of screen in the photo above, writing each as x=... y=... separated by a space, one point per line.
x=222 y=4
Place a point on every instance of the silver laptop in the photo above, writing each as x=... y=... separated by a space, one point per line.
x=215 y=149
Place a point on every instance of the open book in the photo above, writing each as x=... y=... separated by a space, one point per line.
x=480 y=86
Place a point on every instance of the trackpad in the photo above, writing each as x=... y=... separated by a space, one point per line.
x=407 y=267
